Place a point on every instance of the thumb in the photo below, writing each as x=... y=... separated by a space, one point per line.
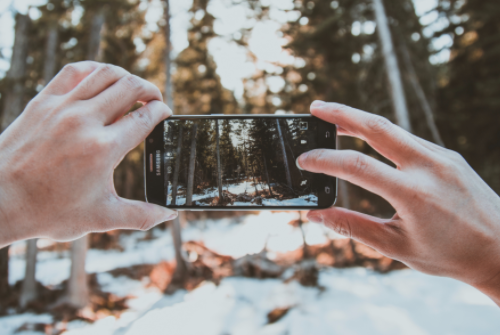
x=140 y=215
x=377 y=233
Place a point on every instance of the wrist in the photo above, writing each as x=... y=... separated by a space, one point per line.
x=11 y=229
x=491 y=288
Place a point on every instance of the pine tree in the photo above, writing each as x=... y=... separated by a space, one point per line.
x=469 y=100
x=197 y=86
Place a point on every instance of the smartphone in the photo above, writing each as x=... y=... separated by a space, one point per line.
x=237 y=162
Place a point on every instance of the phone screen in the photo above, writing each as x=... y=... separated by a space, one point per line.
x=239 y=162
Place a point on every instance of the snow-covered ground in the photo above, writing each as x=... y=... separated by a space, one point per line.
x=351 y=301
x=245 y=187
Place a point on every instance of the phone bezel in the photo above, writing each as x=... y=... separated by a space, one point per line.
x=154 y=184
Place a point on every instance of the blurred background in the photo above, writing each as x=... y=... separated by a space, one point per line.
x=430 y=66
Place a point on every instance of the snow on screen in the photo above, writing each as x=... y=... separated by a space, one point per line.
x=238 y=162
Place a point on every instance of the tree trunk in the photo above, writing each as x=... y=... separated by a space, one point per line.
x=396 y=90
x=168 y=61
x=424 y=103
x=267 y=174
x=14 y=93
x=29 y=290
x=180 y=273
x=305 y=253
x=180 y=270
x=96 y=26
x=285 y=158
x=219 y=174
x=245 y=156
x=253 y=178
x=4 y=275
x=192 y=161
x=78 y=286
x=177 y=168
x=49 y=65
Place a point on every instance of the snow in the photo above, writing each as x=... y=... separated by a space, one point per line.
x=351 y=301
x=245 y=187
x=224 y=236
x=9 y=324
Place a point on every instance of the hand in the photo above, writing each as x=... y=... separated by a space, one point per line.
x=447 y=220
x=57 y=159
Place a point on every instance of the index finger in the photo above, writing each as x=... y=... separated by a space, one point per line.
x=359 y=169
x=385 y=137
x=69 y=77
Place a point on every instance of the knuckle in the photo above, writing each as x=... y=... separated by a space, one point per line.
x=107 y=70
x=71 y=69
x=456 y=157
x=133 y=82
x=142 y=117
x=342 y=226
x=354 y=163
x=378 y=124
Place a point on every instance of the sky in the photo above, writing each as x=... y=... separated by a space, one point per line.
x=233 y=63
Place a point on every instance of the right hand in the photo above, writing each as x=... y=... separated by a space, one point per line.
x=57 y=159
x=447 y=220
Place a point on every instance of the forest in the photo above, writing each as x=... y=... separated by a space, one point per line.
x=239 y=162
x=430 y=66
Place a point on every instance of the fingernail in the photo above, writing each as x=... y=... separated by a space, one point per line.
x=304 y=156
x=318 y=104
x=316 y=218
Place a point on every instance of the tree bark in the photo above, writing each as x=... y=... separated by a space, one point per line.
x=285 y=158
x=219 y=175
x=396 y=88
x=14 y=93
x=78 y=286
x=167 y=60
x=419 y=92
x=192 y=161
x=177 y=168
